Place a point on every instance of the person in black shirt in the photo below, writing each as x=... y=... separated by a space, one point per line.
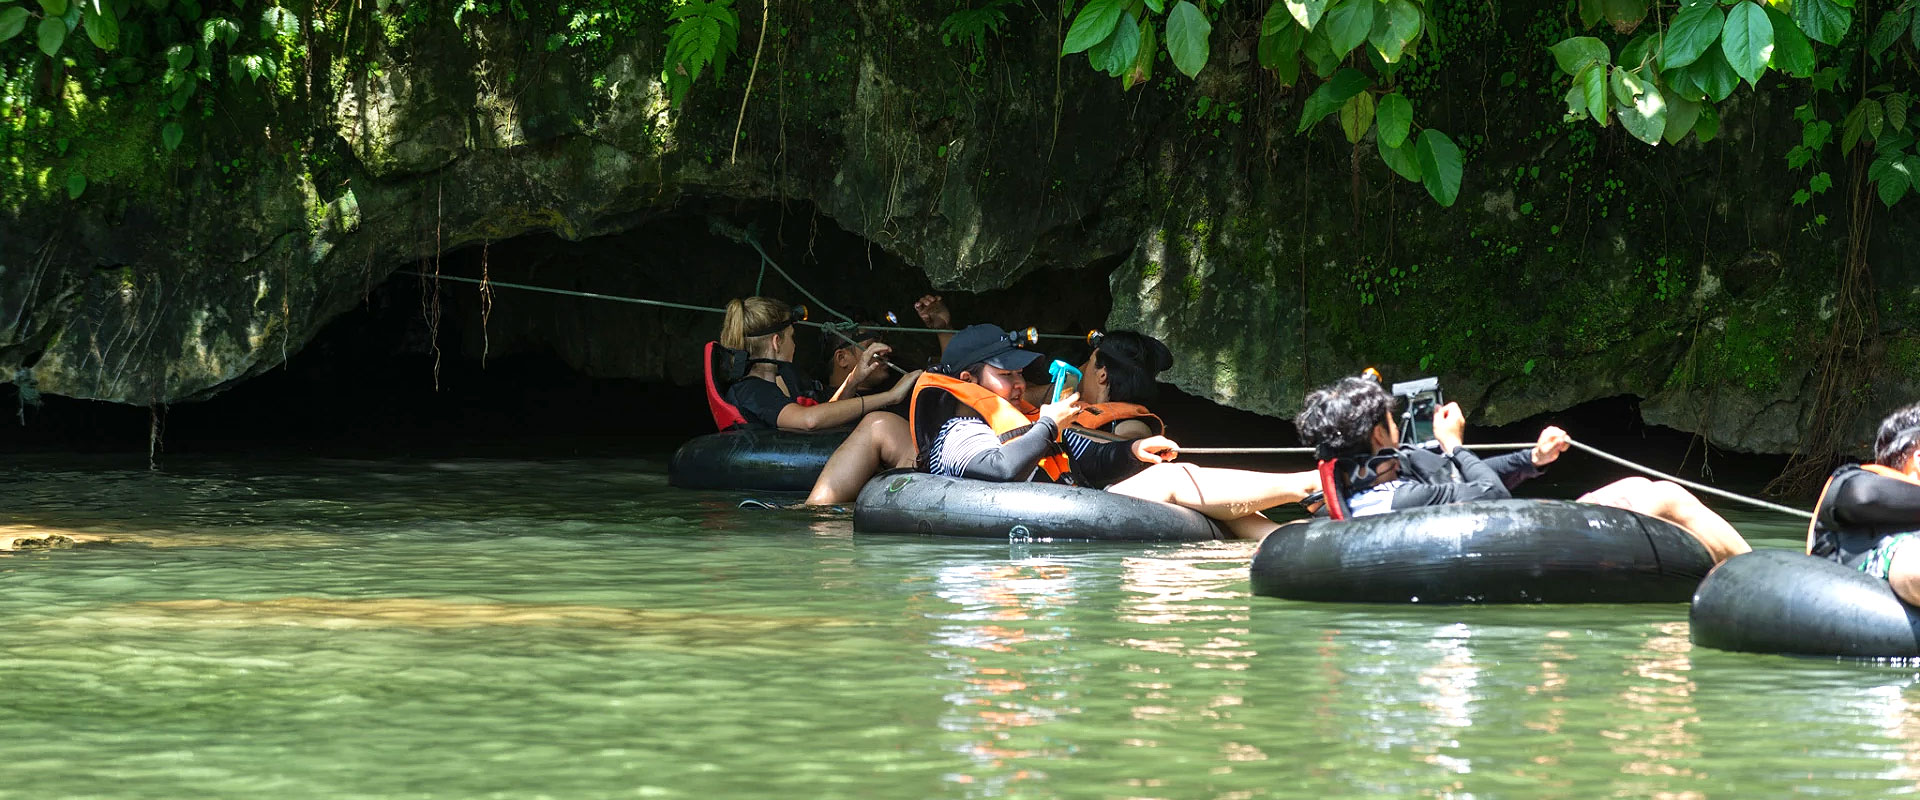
x=1351 y=423
x=768 y=397
x=1868 y=513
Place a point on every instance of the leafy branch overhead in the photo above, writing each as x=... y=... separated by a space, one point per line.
x=1669 y=79
x=1672 y=68
x=1355 y=46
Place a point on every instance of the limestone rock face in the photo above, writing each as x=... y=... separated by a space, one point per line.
x=1576 y=265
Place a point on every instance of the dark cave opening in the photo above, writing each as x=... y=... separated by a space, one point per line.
x=412 y=371
x=542 y=374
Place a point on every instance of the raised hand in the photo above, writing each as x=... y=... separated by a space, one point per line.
x=933 y=312
x=872 y=357
x=1449 y=425
x=1553 y=442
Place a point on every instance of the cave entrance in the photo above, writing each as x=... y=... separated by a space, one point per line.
x=412 y=370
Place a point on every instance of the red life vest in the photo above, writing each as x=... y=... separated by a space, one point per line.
x=726 y=416
x=1000 y=415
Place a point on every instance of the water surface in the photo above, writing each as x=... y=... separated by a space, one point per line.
x=575 y=628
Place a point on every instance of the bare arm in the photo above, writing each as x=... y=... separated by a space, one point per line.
x=839 y=413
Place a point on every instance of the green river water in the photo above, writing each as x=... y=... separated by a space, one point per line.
x=574 y=628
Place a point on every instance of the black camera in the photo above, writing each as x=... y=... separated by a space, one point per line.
x=1422 y=399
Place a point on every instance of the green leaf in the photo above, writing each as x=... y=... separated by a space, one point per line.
x=1874 y=117
x=1396 y=119
x=1896 y=105
x=1400 y=159
x=1893 y=25
x=1894 y=181
x=1573 y=55
x=1681 y=82
x=1591 y=13
x=1916 y=32
x=1681 y=114
x=1187 y=32
x=1645 y=116
x=1640 y=52
x=1092 y=25
x=1851 y=130
x=1356 y=116
x=1594 y=79
x=1823 y=21
x=54 y=8
x=12 y=22
x=76 y=185
x=1329 y=96
x=1142 y=69
x=1158 y=6
x=1792 y=53
x=1708 y=126
x=1276 y=20
x=1747 y=41
x=171 y=134
x=1714 y=75
x=1820 y=183
x=1307 y=12
x=1348 y=25
x=179 y=56
x=1692 y=32
x=1625 y=15
x=1280 y=51
x=52 y=33
x=1625 y=86
x=1320 y=54
x=1395 y=27
x=1117 y=53
x=1440 y=166
x=102 y=29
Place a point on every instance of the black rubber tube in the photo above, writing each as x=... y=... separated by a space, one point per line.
x=1498 y=551
x=753 y=460
x=1774 y=601
x=936 y=505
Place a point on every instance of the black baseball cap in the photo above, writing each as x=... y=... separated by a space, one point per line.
x=990 y=344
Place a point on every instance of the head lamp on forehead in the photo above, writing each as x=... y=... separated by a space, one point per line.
x=1095 y=337
x=794 y=315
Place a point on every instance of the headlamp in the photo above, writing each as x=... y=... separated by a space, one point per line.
x=794 y=315
x=1095 y=337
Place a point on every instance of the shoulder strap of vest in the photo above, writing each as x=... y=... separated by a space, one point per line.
x=1889 y=472
x=1100 y=416
x=928 y=415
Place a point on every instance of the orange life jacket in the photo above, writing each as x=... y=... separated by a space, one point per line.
x=1098 y=417
x=927 y=416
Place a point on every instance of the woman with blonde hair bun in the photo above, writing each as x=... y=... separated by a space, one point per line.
x=768 y=398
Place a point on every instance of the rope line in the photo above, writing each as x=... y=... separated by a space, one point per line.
x=1309 y=450
x=1698 y=487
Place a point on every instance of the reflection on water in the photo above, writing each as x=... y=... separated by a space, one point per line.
x=577 y=629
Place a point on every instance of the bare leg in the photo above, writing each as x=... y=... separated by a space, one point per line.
x=1904 y=573
x=882 y=440
x=1233 y=496
x=1669 y=501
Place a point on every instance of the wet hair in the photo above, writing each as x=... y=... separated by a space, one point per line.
x=751 y=314
x=1899 y=437
x=1132 y=361
x=1338 y=419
